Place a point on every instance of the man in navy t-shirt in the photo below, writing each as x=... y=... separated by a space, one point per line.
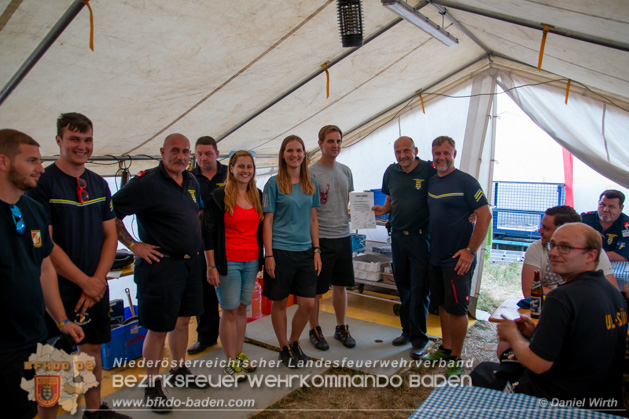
x=29 y=283
x=78 y=203
x=452 y=196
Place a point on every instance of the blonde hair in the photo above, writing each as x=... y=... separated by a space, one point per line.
x=231 y=186
x=283 y=179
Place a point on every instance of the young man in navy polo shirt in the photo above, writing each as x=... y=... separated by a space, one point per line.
x=78 y=202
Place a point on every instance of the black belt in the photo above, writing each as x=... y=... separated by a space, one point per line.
x=177 y=255
x=418 y=232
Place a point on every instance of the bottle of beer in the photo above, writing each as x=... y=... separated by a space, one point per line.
x=537 y=296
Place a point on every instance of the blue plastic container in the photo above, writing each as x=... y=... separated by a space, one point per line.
x=126 y=343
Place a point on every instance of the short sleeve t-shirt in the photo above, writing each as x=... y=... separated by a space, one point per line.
x=616 y=237
x=291 y=215
x=579 y=318
x=408 y=192
x=537 y=256
x=21 y=298
x=168 y=214
x=334 y=187
x=451 y=199
x=77 y=227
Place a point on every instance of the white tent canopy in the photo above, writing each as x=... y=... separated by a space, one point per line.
x=249 y=73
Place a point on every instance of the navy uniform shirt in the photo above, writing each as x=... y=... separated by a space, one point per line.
x=21 y=299
x=77 y=227
x=451 y=199
x=408 y=192
x=167 y=214
x=206 y=185
x=616 y=237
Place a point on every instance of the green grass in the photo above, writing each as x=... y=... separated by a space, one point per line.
x=499 y=282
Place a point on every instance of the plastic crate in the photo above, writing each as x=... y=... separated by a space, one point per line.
x=370 y=263
x=125 y=344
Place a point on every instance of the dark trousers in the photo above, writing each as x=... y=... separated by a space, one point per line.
x=13 y=399
x=208 y=321
x=410 y=269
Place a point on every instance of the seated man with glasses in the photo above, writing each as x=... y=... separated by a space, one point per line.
x=536 y=258
x=575 y=353
x=612 y=223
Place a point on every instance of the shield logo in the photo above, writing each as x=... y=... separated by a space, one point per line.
x=47 y=390
x=36 y=237
x=626 y=225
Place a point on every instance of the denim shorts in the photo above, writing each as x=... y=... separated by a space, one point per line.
x=236 y=287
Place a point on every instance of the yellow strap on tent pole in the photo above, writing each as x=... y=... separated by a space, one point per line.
x=87 y=3
x=541 y=49
x=419 y=92
x=567 y=90
x=327 y=75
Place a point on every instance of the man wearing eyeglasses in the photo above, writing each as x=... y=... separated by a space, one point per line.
x=78 y=203
x=536 y=257
x=576 y=351
x=166 y=202
x=612 y=223
x=29 y=282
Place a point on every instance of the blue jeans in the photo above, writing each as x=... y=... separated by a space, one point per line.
x=410 y=269
x=236 y=287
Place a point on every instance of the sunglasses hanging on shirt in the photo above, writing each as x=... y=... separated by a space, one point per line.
x=16 y=214
x=81 y=190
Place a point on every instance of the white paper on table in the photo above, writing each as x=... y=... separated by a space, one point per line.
x=361 y=213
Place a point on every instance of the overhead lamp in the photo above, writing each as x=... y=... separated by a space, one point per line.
x=407 y=12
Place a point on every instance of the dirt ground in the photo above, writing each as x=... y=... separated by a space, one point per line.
x=389 y=401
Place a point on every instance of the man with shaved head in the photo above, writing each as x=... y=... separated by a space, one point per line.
x=166 y=202
x=406 y=186
x=576 y=351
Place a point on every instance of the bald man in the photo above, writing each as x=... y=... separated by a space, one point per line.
x=166 y=202
x=406 y=185
x=576 y=351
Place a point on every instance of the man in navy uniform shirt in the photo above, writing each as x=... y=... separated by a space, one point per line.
x=166 y=202
x=210 y=174
x=452 y=196
x=29 y=281
x=612 y=223
x=405 y=184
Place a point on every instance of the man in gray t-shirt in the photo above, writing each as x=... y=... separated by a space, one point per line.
x=335 y=183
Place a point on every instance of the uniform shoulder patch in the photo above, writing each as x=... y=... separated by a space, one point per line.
x=141 y=173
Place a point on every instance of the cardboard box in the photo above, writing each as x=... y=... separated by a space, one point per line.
x=125 y=344
x=387 y=278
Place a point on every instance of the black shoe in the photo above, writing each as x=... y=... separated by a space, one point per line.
x=317 y=339
x=183 y=377
x=417 y=353
x=297 y=352
x=400 y=340
x=104 y=412
x=288 y=358
x=199 y=347
x=342 y=334
x=155 y=399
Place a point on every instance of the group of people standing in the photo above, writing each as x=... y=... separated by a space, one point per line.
x=205 y=233
x=439 y=217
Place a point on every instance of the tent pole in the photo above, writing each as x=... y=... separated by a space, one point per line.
x=41 y=49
